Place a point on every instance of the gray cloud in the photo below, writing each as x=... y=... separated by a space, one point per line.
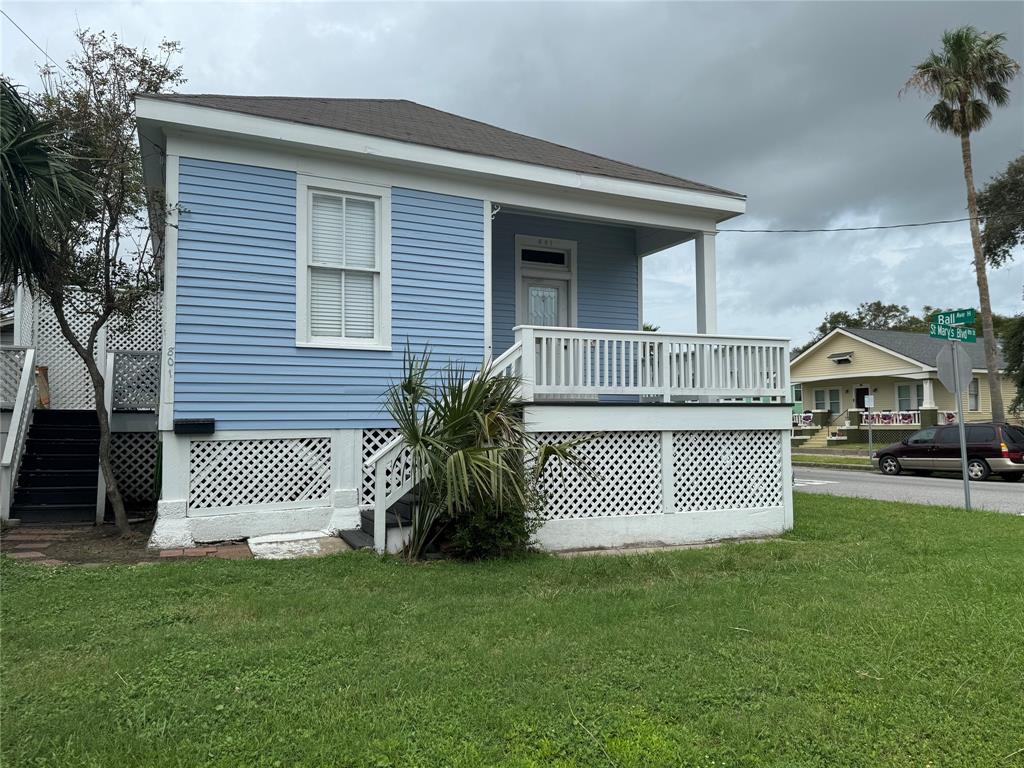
x=793 y=104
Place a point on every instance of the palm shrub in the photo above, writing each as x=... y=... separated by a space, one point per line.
x=476 y=470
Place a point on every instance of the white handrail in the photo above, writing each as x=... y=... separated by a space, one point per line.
x=21 y=419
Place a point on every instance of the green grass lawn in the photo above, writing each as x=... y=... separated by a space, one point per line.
x=873 y=634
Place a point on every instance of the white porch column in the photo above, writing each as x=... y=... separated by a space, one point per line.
x=929 y=394
x=707 y=299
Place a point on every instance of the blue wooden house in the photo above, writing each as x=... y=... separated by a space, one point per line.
x=311 y=240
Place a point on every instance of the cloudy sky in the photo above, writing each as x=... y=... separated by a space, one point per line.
x=793 y=104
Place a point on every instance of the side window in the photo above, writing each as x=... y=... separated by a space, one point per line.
x=973 y=391
x=903 y=397
x=981 y=434
x=343 y=270
x=819 y=400
x=949 y=436
x=923 y=436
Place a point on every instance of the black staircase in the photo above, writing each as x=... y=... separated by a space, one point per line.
x=362 y=537
x=59 y=469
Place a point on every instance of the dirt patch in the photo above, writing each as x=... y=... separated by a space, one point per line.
x=80 y=544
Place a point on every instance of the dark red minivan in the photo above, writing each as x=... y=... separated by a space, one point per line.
x=992 y=449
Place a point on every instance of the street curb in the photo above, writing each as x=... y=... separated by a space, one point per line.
x=823 y=465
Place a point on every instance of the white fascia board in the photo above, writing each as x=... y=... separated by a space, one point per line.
x=205 y=118
x=380 y=172
x=552 y=417
x=904 y=373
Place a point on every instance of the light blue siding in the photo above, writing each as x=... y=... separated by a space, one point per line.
x=608 y=293
x=235 y=354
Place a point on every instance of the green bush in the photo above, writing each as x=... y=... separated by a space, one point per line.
x=476 y=471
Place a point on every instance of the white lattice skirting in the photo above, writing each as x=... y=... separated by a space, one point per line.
x=134 y=456
x=654 y=487
x=224 y=474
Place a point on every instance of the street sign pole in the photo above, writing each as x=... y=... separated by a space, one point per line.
x=960 y=422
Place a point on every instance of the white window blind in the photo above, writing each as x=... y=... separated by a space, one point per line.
x=344 y=269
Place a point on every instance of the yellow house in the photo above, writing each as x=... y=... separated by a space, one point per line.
x=834 y=378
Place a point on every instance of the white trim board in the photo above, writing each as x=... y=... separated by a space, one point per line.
x=233 y=123
x=674 y=418
x=165 y=416
x=373 y=170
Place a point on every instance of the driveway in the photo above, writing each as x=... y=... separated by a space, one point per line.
x=994 y=494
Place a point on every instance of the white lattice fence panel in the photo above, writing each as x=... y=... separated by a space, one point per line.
x=236 y=473
x=143 y=332
x=373 y=441
x=70 y=385
x=136 y=380
x=627 y=476
x=11 y=363
x=134 y=456
x=728 y=469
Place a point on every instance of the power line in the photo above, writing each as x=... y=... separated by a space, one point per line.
x=29 y=38
x=863 y=229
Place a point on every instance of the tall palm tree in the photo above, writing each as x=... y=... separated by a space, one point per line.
x=40 y=190
x=969 y=76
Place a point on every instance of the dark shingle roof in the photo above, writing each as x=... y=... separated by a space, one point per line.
x=921 y=346
x=416 y=124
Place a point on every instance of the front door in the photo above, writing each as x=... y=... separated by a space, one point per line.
x=545 y=302
x=859 y=394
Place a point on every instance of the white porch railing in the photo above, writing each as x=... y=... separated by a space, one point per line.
x=135 y=381
x=803 y=419
x=891 y=418
x=586 y=363
x=21 y=419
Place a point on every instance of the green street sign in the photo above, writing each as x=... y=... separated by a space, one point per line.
x=952 y=332
x=954 y=317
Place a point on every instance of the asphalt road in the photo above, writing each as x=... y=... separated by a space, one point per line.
x=994 y=494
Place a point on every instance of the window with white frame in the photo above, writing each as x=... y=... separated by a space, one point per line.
x=903 y=401
x=820 y=403
x=343 y=272
x=973 y=391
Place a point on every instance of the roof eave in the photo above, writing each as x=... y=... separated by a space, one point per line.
x=221 y=121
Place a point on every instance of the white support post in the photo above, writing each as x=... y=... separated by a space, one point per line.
x=488 y=320
x=529 y=361
x=707 y=298
x=667 y=480
x=787 y=479
x=380 y=527
x=929 y=394
x=108 y=403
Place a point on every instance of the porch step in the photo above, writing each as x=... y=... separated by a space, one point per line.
x=50 y=476
x=399 y=515
x=55 y=513
x=357 y=539
x=66 y=431
x=68 y=494
x=59 y=461
x=63 y=418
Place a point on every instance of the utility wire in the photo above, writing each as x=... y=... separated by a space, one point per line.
x=29 y=38
x=863 y=229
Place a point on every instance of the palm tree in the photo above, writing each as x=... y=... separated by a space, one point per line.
x=970 y=75
x=40 y=189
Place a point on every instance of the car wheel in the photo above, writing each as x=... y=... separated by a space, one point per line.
x=890 y=465
x=977 y=469
x=1013 y=477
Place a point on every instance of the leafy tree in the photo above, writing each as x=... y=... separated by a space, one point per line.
x=1013 y=349
x=105 y=260
x=969 y=76
x=1001 y=206
x=41 y=190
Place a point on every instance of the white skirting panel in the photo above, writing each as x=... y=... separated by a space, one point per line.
x=665 y=475
x=236 y=484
